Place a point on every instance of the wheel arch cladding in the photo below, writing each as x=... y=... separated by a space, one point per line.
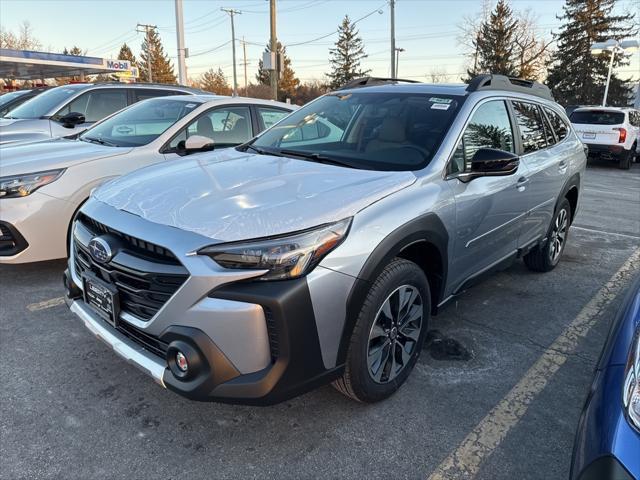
x=424 y=241
x=570 y=191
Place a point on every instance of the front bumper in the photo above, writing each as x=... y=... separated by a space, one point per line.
x=40 y=224
x=250 y=342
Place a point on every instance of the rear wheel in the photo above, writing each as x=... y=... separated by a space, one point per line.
x=625 y=159
x=389 y=333
x=544 y=258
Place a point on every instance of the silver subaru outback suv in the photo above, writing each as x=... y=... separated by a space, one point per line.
x=318 y=251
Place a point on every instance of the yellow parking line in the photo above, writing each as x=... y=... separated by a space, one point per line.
x=54 y=302
x=466 y=460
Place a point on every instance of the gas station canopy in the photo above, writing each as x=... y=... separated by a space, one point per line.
x=30 y=65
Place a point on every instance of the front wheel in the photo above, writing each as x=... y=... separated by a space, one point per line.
x=389 y=333
x=544 y=258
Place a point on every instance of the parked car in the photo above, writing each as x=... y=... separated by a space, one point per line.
x=610 y=133
x=607 y=444
x=42 y=184
x=11 y=100
x=70 y=109
x=318 y=251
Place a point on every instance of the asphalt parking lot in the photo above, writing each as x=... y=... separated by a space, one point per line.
x=496 y=395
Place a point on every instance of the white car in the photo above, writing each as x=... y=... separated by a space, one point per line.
x=70 y=109
x=611 y=133
x=43 y=184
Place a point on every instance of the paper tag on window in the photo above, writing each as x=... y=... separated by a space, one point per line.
x=440 y=106
x=440 y=100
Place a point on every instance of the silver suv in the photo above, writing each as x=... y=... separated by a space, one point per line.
x=317 y=252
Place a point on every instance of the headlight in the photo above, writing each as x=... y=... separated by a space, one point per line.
x=23 y=185
x=631 y=392
x=284 y=257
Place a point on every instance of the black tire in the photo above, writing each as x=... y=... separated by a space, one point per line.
x=545 y=257
x=625 y=160
x=398 y=277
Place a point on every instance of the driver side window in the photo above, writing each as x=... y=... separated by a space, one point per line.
x=489 y=128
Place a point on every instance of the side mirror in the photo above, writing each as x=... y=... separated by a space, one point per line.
x=195 y=143
x=70 y=120
x=491 y=162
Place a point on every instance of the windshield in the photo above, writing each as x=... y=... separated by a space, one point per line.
x=373 y=131
x=141 y=123
x=597 y=117
x=42 y=104
x=8 y=97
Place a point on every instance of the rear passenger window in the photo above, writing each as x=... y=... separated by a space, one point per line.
x=489 y=128
x=97 y=104
x=270 y=116
x=559 y=127
x=531 y=127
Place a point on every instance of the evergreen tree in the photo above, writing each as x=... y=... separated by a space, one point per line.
x=161 y=68
x=494 y=44
x=345 y=58
x=215 y=81
x=125 y=53
x=576 y=75
x=288 y=83
x=75 y=51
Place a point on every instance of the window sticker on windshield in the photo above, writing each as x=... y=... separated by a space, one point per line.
x=190 y=105
x=440 y=100
x=440 y=106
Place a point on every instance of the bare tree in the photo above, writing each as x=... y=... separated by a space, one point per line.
x=530 y=51
x=438 y=75
x=22 y=40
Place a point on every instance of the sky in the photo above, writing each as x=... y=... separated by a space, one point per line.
x=428 y=30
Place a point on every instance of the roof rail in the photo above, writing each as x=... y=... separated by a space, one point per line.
x=510 y=84
x=369 y=81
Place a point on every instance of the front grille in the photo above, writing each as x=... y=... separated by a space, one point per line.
x=146 y=275
x=272 y=332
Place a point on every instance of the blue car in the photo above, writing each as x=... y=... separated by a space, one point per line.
x=607 y=444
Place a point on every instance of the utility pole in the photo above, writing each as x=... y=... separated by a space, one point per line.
x=393 y=36
x=182 y=69
x=244 y=64
x=147 y=29
x=274 y=50
x=398 y=50
x=231 y=13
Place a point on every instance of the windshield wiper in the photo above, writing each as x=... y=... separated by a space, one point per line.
x=316 y=157
x=99 y=141
x=258 y=150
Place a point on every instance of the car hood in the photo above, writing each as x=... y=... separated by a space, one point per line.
x=233 y=195
x=50 y=154
x=14 y=130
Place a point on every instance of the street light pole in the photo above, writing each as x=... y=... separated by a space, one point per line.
x=606 y=87
x=398 y=50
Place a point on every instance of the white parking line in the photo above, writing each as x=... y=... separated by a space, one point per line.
x=602 y=232
x=53 y=302
x=465 y=461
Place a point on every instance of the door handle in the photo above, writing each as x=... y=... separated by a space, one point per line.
x=522 y=181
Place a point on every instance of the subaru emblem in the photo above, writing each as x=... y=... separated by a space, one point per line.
x=100 y=250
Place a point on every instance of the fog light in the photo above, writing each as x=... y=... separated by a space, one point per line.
x=181 y=362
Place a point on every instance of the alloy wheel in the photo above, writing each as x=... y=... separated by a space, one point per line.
x=394 y=334
x=558 y=235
